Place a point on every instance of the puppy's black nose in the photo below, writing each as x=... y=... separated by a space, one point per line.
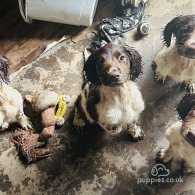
x=114 y=72
x=191 y=133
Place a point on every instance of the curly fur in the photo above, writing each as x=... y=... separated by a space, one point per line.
x=111 y=98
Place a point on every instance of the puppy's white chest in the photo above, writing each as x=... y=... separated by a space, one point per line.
x=116 y=112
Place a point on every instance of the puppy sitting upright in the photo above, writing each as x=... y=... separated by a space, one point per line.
x=111 y=98
x=182 y=135
x=11 y=102
x=177 y=59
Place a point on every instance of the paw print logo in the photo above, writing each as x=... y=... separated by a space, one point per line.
x=160 y=170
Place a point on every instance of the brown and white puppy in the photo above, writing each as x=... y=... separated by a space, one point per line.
x=181 y=135
x=177 y=58
x=111 y=98
x=11 y=101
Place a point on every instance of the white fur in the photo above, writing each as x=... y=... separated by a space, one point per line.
x=11 y=108
x=170 y=63
x=178 y=146
x=120 y=105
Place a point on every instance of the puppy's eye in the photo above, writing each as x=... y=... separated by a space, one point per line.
x=100 y=61
x=186 y=30
x=122 y=58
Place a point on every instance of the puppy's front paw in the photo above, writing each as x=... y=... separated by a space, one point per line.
x=164 y=155
x=24 y=121
x=26 y=125
x=159 y=79
x=190 y=87
x=187 y=169
x=111 y=129
x=136 y=132
x=5 y=125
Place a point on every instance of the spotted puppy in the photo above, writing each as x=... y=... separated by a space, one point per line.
x=111 y=98
x=177 y=58
x=11 y=102
x=181 y=135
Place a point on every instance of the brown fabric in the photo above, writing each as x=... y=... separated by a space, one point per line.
x=29 y=146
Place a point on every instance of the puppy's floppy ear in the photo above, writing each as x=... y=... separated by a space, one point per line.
x=135 y=60
x=170 y=29
x=185 y=105
x=4 y=69
x=90 y=69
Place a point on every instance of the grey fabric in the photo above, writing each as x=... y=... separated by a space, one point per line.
x=113 y=29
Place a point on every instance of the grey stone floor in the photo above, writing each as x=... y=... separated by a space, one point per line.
x=91 y=162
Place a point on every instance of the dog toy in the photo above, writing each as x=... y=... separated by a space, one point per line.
x=47 y=103
x=63 y=100
x=144 y=28
x=29 y=145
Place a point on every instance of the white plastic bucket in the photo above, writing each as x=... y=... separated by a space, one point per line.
x=76 y=12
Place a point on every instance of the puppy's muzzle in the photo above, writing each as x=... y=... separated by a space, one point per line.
x=114 y=74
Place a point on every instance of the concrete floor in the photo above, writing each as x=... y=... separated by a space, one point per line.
x=91 y=162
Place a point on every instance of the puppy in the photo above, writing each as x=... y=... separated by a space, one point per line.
x=11 y=102
x=181 y=135
x=177 y=59
x=111 y=98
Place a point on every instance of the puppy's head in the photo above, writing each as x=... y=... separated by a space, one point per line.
x=183 y=28
x=4 y=72
x=113 y=65
x=186 y=111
